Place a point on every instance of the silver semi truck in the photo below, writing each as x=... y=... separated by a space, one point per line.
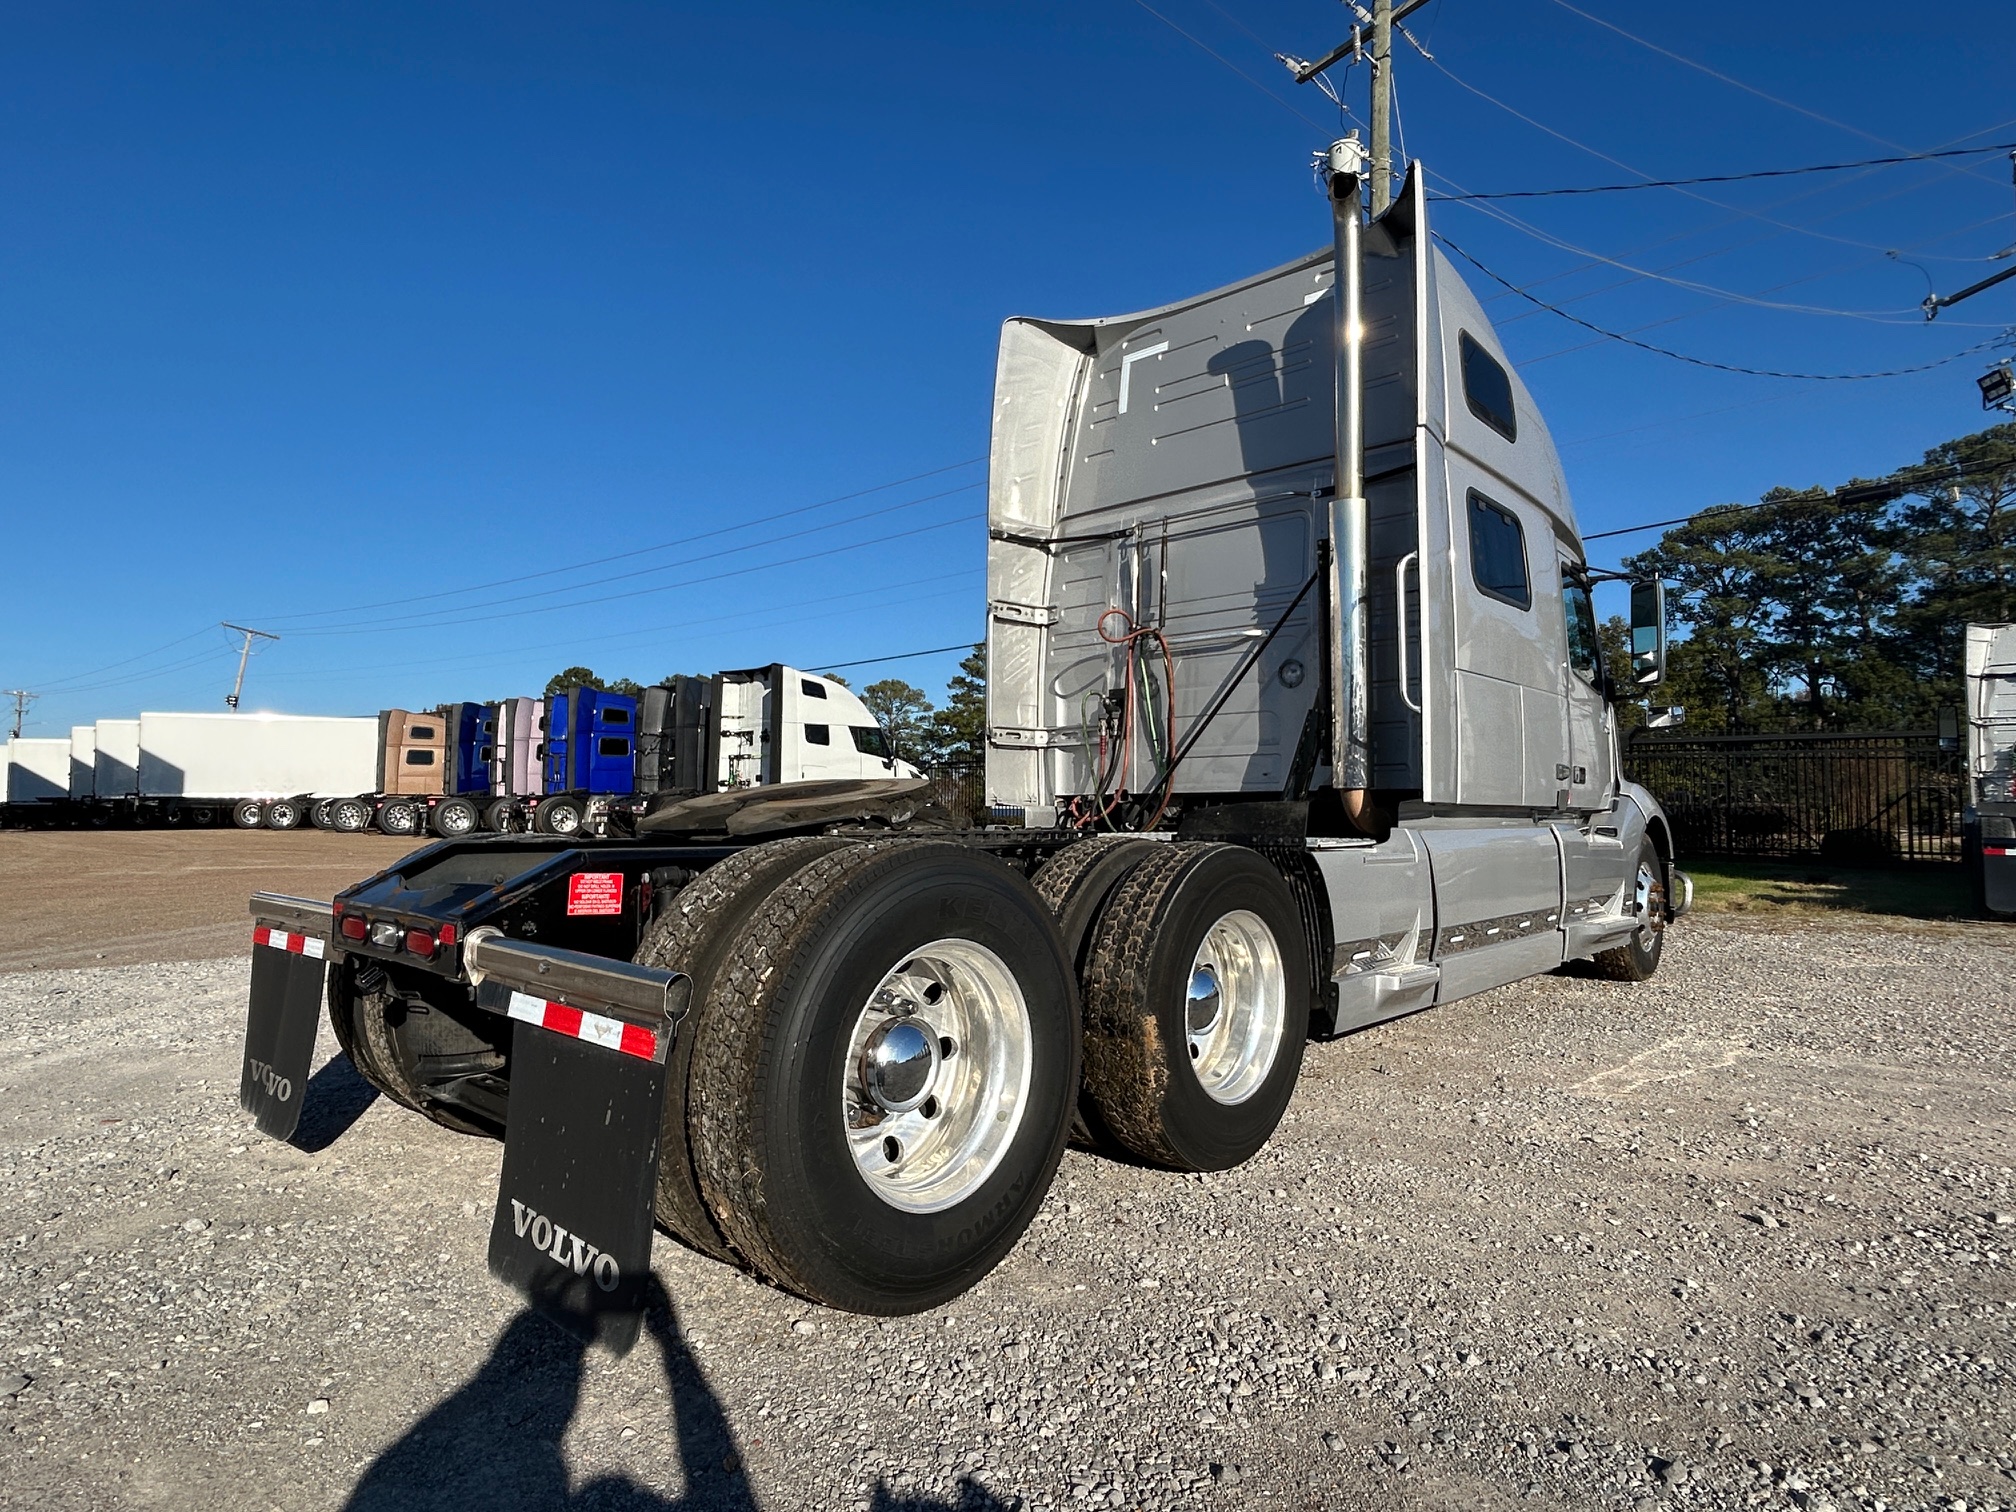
x=1295 y=681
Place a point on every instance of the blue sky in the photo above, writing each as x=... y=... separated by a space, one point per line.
x=335 y=322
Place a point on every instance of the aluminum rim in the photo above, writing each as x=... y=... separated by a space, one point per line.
x=457 y=819
x=563 y=819
x=936 y=1076
x=1648 y=901
x=1235 y=1007
x=349 y=816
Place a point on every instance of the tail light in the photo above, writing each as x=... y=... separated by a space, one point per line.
x=353 y=927
x=385 y=934
x=420 y=943
x=448 y=935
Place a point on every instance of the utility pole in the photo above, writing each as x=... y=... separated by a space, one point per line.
x=1382 y=19
x=1382 y=106
x=244 y=653
x=22 y=698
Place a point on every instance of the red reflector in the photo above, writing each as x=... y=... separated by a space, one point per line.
x=447 y=934
x=1994 y=850
x=353 y=927
x=419 y=942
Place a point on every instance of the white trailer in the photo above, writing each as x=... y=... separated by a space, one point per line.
x=118 y=760
x=261 y=769
x=38 y=775
x=83 y=763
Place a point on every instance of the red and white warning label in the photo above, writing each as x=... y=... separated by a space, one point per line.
x=594 y=893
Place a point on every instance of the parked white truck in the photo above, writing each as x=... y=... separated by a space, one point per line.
x=1991 y=764
x=1294 y=676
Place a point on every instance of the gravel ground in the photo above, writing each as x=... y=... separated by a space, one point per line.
x=1737 y=1237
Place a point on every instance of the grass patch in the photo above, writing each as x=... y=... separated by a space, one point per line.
x=1774 y=889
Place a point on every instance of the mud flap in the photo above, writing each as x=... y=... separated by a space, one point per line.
x=573 y=1226
x=289 y=962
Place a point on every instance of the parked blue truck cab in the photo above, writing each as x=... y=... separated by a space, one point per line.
x=590 y=754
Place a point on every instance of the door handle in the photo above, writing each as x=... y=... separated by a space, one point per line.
x=1400 y=615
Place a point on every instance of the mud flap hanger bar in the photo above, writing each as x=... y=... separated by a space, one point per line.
x=572 y=1230
x=290 y=951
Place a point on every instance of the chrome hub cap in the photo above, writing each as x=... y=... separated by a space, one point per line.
x=1648 y=901
x=936 y=1076
x=1236 y=1008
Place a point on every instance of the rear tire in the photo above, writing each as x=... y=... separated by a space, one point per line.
x=501 y=816
x=454 y=817
x=1196 y=1006
x=350 y=816
x=558 y=816
x=371 y=1020
x=283 y=814
x=1638 y=958
x=695 y=934
x=248 y=813
x=318 y=814
x=399 y=817
x=847 y=984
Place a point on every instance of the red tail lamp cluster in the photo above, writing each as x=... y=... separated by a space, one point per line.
x=386 y=935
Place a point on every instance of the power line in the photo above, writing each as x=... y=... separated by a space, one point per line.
x=455 y=616
x=876 y=661
x=1207 y=48
x=1723 y=178
x=1720 y=367
x=1734 y=83
x=635 y=552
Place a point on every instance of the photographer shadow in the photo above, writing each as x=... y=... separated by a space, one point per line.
x=496 y=1442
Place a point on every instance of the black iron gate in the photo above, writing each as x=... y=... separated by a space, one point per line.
x=1866 y=799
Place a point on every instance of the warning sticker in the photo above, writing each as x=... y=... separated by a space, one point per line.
x=594 y=893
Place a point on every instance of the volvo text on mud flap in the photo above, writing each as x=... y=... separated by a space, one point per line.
x=290 y=948
x=573 y=1225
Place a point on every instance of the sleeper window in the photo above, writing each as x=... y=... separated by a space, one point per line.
x=810 y=688
x=818 y=734
x=1498 y=553
x=612 y=745
x=419 y=758
x=1487 y=387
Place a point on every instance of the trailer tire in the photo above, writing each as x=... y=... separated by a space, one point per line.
x=247 y=813
x=283 y=814
x=1638 y=957
x=501 y=816
x=559 y=816
x=398 y=817
x=1176 y=1087
x=695 y=934
x=318 y=814
x=455 y=817
x=796 y=1029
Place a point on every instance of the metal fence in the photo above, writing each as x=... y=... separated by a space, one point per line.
x=1846 y=799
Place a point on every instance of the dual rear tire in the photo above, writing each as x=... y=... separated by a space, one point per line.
x=880 y=1068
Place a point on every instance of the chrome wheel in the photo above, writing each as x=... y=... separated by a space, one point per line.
x=350 y=816
x=1236 y=1007
x=936 y=1076
x=1648 y=902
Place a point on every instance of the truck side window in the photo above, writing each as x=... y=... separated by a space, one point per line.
x=870 y=741
x=1584 y=649
x=1487 y=388
x=810 y=688
x=1498 y=553
x=818 y=734
x=419 y=758
x=615 y=716
x=420 y=732
x=612 y=745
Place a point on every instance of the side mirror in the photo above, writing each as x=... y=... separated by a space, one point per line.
x=1648 y=633
x=1668 y=718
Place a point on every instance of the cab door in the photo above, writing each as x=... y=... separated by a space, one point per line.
x=1590 y=777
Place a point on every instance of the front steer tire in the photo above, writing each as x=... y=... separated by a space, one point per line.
x=775 y=1063
x=1638 y=957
